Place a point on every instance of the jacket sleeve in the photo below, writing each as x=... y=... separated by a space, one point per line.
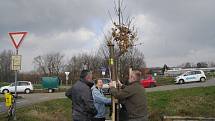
x=88 y=101
x=123 y=93
x=99 y=98
x=69 y=93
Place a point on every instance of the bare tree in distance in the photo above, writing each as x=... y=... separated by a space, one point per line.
x=6 y=74
x=49 y=64
x=77 y=63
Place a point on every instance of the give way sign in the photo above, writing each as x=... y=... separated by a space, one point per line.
x=17 y=38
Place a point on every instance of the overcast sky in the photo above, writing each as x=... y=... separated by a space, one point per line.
x=173 y=31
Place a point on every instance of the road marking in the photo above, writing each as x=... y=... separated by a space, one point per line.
x=44 y=98
x=20 y=101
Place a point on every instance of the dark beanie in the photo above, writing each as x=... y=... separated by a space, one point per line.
x=84 y=73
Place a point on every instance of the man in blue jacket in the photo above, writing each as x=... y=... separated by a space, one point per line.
x=99 y=100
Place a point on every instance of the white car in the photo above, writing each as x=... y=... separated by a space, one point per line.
x=106 y=87
x=191 y=76
x=22 y=86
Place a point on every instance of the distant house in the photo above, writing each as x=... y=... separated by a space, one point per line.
x=157 y=70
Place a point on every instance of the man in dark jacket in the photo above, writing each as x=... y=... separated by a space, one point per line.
x=133 y=97
x=82 y=101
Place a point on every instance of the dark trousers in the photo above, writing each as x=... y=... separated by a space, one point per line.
x=98 y=119
x=82 y=120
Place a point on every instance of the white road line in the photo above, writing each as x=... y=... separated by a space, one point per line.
x=20 y=102
x=44 y=98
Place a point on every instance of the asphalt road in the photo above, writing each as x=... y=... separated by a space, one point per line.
x=28 y=99
x=210 y=82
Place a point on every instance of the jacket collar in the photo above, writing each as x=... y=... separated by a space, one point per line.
x=90 y=84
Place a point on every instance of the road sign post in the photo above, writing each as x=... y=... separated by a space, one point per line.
x=67 y=77
x=17 y=39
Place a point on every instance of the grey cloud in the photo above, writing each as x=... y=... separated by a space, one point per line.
x=170 y=29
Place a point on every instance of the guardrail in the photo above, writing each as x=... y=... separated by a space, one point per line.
x=180 y=118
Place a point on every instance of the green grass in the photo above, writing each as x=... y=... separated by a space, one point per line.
x=2 y=99
x=183 y=102
x=55 y=110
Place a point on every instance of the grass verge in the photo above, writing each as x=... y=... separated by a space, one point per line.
x=183 y=102
x=55 y=110
x=2 y=99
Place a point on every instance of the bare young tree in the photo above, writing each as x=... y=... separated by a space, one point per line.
x=133 y=58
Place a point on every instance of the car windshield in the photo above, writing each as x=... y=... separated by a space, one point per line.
x=187 y=73
x=106 y=81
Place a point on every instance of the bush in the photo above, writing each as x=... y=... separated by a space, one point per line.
x=164 y=80
x=4 y=83
x=210 y=75
x=37 y=86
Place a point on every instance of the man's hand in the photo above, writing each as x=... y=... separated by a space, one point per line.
x=120 y=84
x=112 y=84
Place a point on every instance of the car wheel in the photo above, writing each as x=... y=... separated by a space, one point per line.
x=181 y=81
x=202 y=79
x=50 y=90
x=5 y=91
x=27 y=91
